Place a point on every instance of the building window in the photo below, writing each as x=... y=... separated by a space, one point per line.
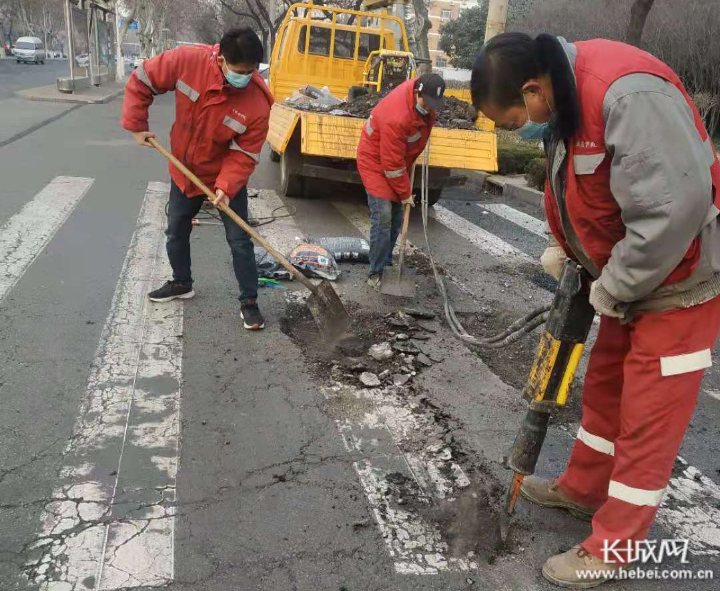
x=446 y=13
x=441 y=62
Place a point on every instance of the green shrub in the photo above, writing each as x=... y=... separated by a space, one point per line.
x=536 y=173
x=514 y=158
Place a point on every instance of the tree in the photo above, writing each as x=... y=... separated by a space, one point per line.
x=421 y=26
x=638 y=15
x=461 y=39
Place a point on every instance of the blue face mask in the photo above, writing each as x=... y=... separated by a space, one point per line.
x=532 y=130
x=237 y=80
x=422 y=111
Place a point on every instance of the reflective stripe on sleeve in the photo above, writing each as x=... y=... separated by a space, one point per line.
x=394 y=174
x=144 y=78
x=234 y=124
x=236 y=148
x=414 y=137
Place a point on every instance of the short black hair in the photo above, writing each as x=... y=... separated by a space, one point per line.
x=509 y=60
x=241 y=46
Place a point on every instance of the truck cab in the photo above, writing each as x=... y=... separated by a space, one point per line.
x=329 y=53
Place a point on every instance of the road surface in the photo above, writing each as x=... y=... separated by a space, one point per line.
x=163 y=447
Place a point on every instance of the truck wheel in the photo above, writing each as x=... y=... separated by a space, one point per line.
x=434 y=196
x=291 y=183
x=274 y=156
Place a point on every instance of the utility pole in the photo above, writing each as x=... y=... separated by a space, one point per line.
x=497 y=17
x=45 y=28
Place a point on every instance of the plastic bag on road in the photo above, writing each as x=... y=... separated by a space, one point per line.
x=267 y=266
x=349 y=250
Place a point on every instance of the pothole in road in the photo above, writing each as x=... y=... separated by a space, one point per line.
x=440 y=502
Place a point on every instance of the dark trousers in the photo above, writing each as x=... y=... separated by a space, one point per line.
x=181 y=212
x=386 y=219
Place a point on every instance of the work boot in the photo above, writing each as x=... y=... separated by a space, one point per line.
x=172 y=290
x=578 y=569
x=250 y=313
x=374 y=281
x=547 y=493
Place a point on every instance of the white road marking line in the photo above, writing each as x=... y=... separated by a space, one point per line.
x=416 y=545
x=484 y=240
x=517 y=217
x=112 y=526
x=361 y=220
x=26 y=233
x=690 y=509
x=712 y=393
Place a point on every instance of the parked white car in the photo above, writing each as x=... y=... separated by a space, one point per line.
x=29 y=50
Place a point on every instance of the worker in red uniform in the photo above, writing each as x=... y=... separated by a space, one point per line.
x=393 y=137
x=632 y=195
x=222 y=109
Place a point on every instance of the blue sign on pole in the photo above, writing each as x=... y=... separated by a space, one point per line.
x=132 y=27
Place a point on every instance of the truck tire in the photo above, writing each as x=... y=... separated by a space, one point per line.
x=274 y=156
x=291 y=183
x=434 y=196
x=356 y=92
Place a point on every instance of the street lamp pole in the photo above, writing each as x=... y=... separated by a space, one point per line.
x=70 y=41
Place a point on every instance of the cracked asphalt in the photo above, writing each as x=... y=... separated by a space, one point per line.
x=268 y=493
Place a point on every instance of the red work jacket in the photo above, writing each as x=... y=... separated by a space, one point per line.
x=219 y=130
x=391 y=140
x=592 y=211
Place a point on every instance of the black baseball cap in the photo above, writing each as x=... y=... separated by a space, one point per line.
x=431 y=88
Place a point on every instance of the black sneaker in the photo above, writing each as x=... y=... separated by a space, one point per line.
x=172 y=290
x=252 y=318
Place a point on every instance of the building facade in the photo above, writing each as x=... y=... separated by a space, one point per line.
x=442 y=11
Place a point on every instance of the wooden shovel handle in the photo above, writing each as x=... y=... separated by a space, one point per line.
x=406 y=223
x=232 y=215
x=403 y=236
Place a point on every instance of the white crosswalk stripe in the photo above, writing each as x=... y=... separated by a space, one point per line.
x=484 y=240
x=27 y=233
x=517 y=217
x=113 y=522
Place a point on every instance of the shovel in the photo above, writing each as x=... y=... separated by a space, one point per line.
x=325 y=305
x=393 y=282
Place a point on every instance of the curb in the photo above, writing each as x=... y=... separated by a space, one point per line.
x=72 y=100
x=513 y=191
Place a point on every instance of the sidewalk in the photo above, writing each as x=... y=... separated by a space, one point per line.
x=87 y=96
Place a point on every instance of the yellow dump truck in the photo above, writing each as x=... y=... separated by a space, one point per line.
x=330 y=47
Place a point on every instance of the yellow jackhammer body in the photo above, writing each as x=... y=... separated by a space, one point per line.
x=556 y=361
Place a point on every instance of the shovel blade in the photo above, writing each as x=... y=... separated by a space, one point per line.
x=328 y=311
x=400 y=285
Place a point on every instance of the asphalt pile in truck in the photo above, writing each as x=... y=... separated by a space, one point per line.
x=456 y=114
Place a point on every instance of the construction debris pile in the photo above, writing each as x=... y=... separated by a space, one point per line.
x=456 y=114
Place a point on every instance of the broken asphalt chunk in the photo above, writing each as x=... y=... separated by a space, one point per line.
x=406 y=347
x=424 y=360
x=420 y=314
x=369 y=379
x=381 y=352
x=400 y=379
